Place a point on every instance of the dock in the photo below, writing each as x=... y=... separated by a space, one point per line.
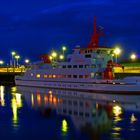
x=7 y=74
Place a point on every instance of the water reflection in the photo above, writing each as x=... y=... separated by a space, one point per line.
x=2 y=100
x=92 y=114
x=16 y=104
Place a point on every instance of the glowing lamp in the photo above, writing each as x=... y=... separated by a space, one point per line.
x=61 y=57
x=1 y=62
x=27 y=61
x=54 y=54
x=64 y=48
x=13 y=53
x=133 y=56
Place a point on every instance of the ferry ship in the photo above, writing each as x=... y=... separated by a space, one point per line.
x=86 y=69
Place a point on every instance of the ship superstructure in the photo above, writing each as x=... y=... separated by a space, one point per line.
x=89 y=69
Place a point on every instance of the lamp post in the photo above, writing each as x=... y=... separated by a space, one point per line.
x=54 y=55
x=27 y=61
x=61 y=57
x=133 y=57
x=64 y=49
x=117 y=52
x=13 y=53
x=17 y=57
x=1 y=62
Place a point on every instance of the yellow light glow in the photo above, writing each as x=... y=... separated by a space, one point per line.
x=18 y=100
x=133 y=118
x=13 y=53
x=117 y=51
x=50 y=57
x=2 y=96
x=14 y=110
x=54 y=54
x=45 y=99
x=39 y=99
x=38 y=75
x=133 y=56
x=64 y=127
x=1 y=62
x=50 y=92
x=61 y=57
x=17 y=56
x=32 y=99
x=13 y=89
x=54 y=76
x=27 y=61
x=64 y=48
x=45 y=75
x=117 y=110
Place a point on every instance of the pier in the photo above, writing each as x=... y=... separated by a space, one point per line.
x=7 y=74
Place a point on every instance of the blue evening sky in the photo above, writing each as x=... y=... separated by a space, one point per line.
x=34 y=27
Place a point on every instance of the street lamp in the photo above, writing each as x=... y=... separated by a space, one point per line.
x=53 y=55
x=133 y=57
x=27 y=61
x=17 y=57
x=117 y=52
x=64 y=48
x=61 y=57
x=1 y=62
x=13 y=53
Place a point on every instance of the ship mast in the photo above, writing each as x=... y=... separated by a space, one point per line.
x=94 y=42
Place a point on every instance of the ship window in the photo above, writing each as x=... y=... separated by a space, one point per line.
x=74 y=66
x=86 y=76
x=50 y=76
x=74 y=76
x=58 y=76
x=75 y=113
x=75 y=103
x=64 y=66
x=69 y=102
x=86 y=66
x=80 y=76
x=70 y=112
x=45 y=75
x=69 y=76
x=81 y=113
x=92 y=75
x=80 y=66
x=54 y=76
x=38 y=75
x=69 y=66
x=86 y=51
x=93 y=66
x=64 y=76
x=86 y=114
x=87 y=56
x=32 y=74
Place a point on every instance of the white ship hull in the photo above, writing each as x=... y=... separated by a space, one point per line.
x=81 y=86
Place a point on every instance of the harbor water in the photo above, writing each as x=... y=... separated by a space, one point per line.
x=50 y=114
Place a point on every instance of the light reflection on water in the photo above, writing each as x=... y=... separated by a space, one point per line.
x=77 y=115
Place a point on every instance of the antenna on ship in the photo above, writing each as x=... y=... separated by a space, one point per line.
x=94 y=42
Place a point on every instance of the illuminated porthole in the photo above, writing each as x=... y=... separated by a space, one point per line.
x=45 y=75
x=38 y=75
